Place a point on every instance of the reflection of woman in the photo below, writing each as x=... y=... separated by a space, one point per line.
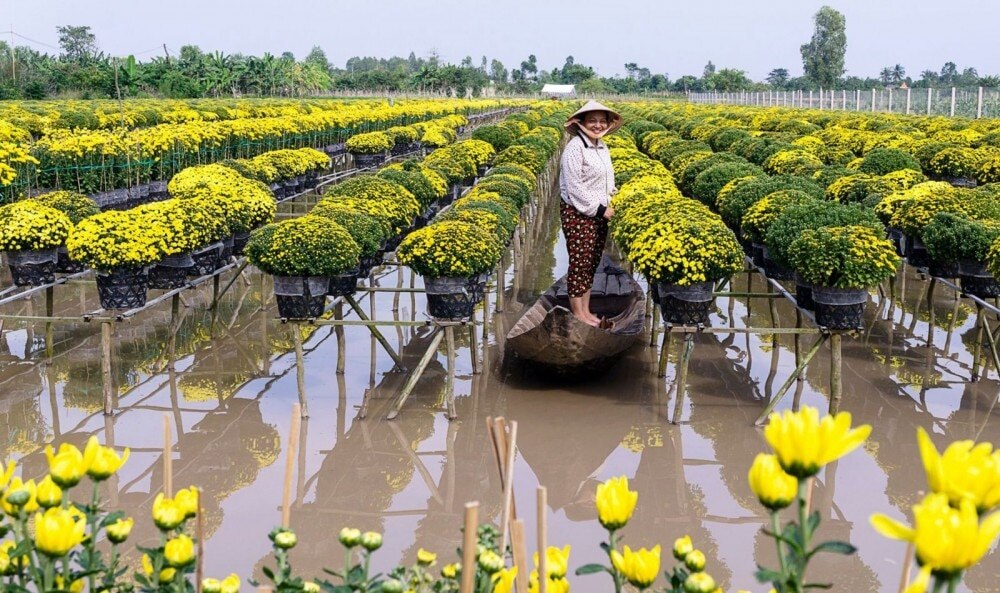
x=586 y=183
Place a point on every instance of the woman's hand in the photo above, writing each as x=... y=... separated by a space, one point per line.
x=609 y=212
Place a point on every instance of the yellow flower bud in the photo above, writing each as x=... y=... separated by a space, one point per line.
x=640 y=567
x=66 y=467
x=179 y=551
x=349 y=537
x=187 y=498
x=48 y=493
x=285 y=539
x=490 y=561
x=310 y=587
x=19 y=495
x=450 y=571
x=699 y=582
x=615 y=503
x=211 y=585
x=695 y=561
x=371 y=540
x=683 y=547
x=231 y=584
x=774 y=488
x=119 y=531
x=167 y=513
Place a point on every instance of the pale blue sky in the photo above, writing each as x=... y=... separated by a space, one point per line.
x=674 y=37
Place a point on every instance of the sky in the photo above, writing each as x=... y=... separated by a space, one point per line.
x=667 y=36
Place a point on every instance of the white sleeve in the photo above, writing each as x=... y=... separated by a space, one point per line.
x=571 y=170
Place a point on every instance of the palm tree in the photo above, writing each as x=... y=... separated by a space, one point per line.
x=885 y=76
x=898 y=73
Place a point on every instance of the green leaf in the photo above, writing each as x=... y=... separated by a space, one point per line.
x=766 y=575
x=817 y=586
x=591 y=569
x=834 y=547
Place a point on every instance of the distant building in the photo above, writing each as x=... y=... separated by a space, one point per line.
x=559 y=91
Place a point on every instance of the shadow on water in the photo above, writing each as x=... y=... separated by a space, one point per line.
x=227 y=390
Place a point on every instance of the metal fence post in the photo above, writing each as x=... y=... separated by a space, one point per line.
x=952 y=110
x=929 y=99
x=907 y=100
x=979 y=104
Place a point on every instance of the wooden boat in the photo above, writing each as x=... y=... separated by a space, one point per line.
x=549 y=334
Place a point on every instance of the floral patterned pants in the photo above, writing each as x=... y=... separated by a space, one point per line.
x=585 y=238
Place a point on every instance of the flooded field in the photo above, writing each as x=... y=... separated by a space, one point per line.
x=227 y=380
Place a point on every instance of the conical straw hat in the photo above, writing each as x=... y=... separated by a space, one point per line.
x=575 y=119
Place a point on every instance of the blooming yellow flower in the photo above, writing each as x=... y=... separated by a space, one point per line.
x=553 y=585
x=948 y=540
x=167 y=512
x=102 y=462
x=48 y=493
x=57 y=531
x=66 y=467
x=965 y=471
x=804 y=443
x=179 y=551
x=450 y=571
x=503 y=581
x=119 y=531
x=231 y=584
x=640 y=567
x=615 y=502
x=774 y=488
x=426 y=558
x=187 y=498
x=556 y=561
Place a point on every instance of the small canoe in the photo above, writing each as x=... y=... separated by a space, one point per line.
x=549 y=334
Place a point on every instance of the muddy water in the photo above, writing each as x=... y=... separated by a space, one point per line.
x=227 y=384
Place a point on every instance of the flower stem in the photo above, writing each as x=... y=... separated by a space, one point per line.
x=613 y=545
x=776 y=528
x=805 y=532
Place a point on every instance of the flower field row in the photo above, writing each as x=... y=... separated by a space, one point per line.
x=356 y=221
x=93 y=160
x=779 y=177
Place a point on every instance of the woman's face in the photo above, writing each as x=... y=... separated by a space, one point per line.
x=595 y=123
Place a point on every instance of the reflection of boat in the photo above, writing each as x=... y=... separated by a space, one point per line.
x=549 y=334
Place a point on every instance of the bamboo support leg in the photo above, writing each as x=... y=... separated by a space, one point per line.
x=654 y=325
x=300 y=368
x=486 y=307
x=977 y=350
x=661 y=370
x=474 y=348
x=791 y=379
x=682 y=372
x=836 y=367
x=399 y=284
x=992 y=343
x=338 y=314
x=106 y=368
x=449 y=389
x=411 y=381
x=49 y=328
x=500 y=285
x=798 y=340
x=375 y=331
x=236 y=276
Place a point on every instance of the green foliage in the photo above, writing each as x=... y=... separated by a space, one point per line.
x=953 y=237
x=685 y=182
x=886 y=160
x=708 y=183
x=365 y=230
x=499 y=137
x=813 y=215
x=843 y=256
x=306 y=246
x=74 y=205
x=734 y=204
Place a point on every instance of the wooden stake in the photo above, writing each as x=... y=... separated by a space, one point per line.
x=907 y=563
x=543 y=505
x=293 y=444
x=200 y=534
x=469 y=546
x=508 y=489
x=168 y=459
x=501 y=447
x=520 y=550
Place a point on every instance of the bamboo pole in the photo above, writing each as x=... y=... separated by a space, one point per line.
x=300 y=367
x=411 y=382
x=508 y=489
x=199 y=571
x=109 y=408
x=543 y=535
x=469 y=539
x=293 y=443
x=519 y=548
x=788 y=382
x=836 y=366
x=168 y=459
x=904 y=579
x=449 y=333
x=682 y=372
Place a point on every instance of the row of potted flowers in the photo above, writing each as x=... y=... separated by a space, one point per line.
x=362 y=218
x=97 y=160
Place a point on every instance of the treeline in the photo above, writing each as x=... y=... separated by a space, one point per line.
x=82 y=70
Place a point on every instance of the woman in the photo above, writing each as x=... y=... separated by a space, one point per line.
x=586 y=184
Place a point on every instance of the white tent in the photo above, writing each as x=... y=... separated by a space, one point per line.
x=559 y=91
